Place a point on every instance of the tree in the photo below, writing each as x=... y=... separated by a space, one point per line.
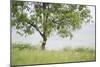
x=47 y=18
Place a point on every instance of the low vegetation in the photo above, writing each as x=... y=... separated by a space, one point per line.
x=23 y=54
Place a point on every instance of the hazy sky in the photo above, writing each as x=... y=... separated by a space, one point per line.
x=85 y=37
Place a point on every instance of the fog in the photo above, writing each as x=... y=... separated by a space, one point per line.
x=84 y=37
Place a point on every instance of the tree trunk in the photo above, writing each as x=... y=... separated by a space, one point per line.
x=43 y=43
x=44 y=28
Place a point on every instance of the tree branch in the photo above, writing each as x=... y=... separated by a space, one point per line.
x=36 y=29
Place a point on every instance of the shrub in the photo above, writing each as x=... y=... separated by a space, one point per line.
x=23 y=46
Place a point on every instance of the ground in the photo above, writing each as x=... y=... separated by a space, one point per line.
x=22 y=55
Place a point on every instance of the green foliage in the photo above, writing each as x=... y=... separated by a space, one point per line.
x=23 y=46
x=48 y=17
x=31 y=56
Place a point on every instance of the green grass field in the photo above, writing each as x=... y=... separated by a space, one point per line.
x=24 y=54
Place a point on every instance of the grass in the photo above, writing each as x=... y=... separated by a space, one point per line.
x=30 y=55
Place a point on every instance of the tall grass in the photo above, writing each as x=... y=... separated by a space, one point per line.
x=31 y=55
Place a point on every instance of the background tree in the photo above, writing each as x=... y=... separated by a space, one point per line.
x=47 y=18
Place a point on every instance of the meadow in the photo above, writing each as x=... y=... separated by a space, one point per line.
x=23 y=54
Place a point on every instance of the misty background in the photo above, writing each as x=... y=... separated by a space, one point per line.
x=84 y=37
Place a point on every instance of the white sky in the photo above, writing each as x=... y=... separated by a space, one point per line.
x=85 y=37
